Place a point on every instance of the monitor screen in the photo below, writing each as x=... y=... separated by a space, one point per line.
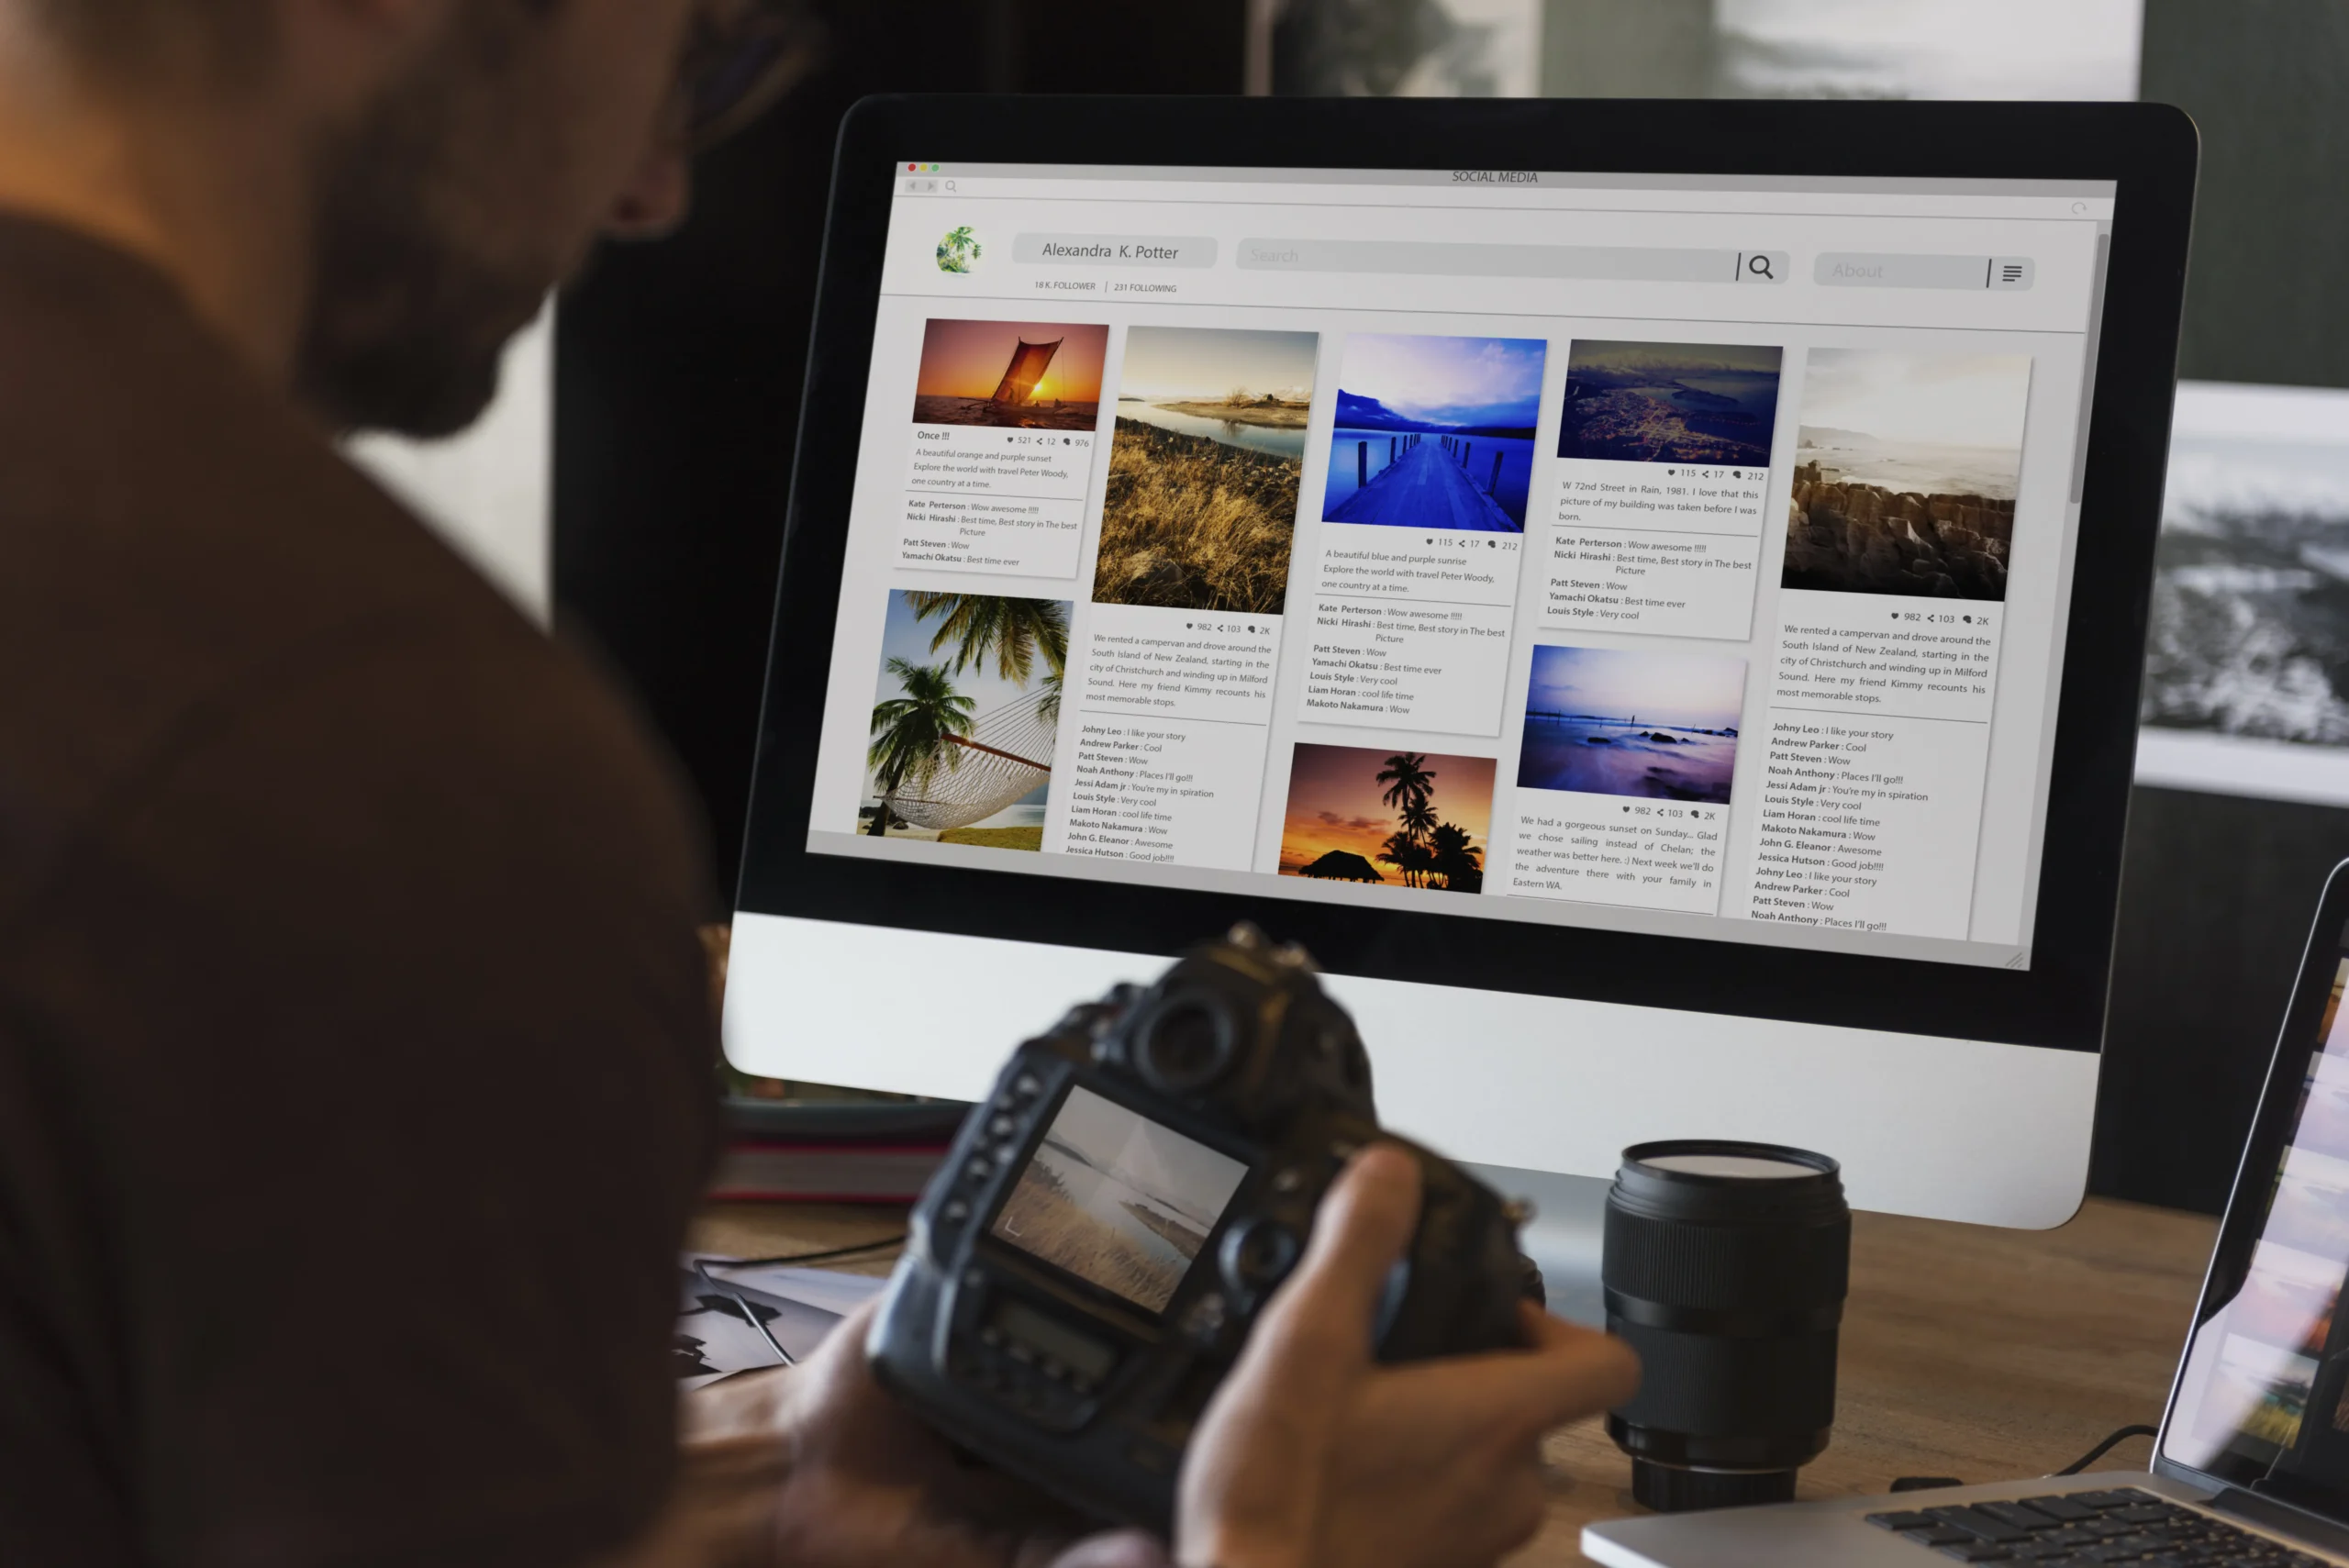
x=2263 y=1400
x=1682 y=555
x=1118 y=1200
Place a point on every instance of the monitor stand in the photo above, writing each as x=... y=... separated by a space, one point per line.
x=1564 y=1237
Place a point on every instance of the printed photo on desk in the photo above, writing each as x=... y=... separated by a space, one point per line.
x=1370 y=814
x=1905 y=471
x=1200 y=508
x=2247 y=658
x=965 y=718
x=1434 y=433
x=732 y=1317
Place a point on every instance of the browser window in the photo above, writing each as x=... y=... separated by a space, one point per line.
x=1678 y=554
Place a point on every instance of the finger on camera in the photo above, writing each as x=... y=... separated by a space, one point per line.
x=1567 y=1374
x=1364 y=1224
x=1594 y=1370
x=1316 y=1328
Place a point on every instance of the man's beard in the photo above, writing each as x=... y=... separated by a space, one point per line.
x=406 y=324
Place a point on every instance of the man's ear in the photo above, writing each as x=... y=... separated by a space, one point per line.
x=335 y=56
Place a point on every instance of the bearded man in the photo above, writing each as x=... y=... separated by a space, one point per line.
x=355 y=1053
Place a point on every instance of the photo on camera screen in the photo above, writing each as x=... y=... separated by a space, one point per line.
x=1118 y=1200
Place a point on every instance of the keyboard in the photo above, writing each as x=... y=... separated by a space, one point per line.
x=2124 y=1525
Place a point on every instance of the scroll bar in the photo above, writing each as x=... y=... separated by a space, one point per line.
x=2088 y=377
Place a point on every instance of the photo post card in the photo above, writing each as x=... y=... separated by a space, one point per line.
x=1199 y=521
x=1900 y=529
x=1661 y=490
x=1624 y=776
x=1423 y=510
x=1003 y=418
x=1190 y=593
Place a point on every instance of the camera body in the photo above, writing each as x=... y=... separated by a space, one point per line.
x=1084 y=1269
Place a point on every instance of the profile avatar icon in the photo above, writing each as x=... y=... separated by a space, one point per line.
x=959 y=251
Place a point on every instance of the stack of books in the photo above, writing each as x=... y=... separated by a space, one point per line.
x=832 y=1151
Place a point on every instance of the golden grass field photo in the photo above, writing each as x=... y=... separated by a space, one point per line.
x=1200 y=508
x=1118 y=1200
x=1043 y=1219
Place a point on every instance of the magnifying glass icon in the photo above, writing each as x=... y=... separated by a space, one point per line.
x=1759 y=266
x=949 y=184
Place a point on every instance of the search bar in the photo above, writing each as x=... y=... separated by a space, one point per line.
x=1599 y=263
x=1870 y=270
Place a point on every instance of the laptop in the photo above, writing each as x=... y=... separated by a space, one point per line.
x=2251 y=1463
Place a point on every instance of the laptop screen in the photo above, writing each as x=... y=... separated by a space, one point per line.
x=2263 y=1400
x=1685 y=555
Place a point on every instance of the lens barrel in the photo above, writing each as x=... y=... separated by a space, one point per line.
x=1725 y=1267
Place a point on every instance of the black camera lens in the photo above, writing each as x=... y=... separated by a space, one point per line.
x=1185 y=1045
x=1725 y=1267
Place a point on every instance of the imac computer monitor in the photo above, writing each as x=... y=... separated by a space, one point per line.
x=1650 y=594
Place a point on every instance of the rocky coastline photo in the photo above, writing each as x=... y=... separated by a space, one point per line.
x=1854 y=537
x=1906 y=470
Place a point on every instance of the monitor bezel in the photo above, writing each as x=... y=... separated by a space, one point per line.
x=2147 y=151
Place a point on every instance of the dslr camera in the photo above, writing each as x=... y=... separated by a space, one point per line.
x=1084 y=1269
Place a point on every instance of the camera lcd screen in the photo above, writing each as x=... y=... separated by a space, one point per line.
x=1118 y=1200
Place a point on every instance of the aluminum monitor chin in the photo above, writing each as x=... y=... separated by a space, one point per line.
x=1672 y=696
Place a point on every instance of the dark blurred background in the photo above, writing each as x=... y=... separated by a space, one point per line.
x=678 y=369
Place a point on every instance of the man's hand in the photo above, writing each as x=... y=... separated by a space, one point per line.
x=859 y=1482
x=1312 y=1455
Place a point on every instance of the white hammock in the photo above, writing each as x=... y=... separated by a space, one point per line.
x=985 y=770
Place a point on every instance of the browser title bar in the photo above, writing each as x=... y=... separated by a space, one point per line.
x=1524 y=179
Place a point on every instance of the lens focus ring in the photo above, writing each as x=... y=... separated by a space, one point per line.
x=1724 y=1267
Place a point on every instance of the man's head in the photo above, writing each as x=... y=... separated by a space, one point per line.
x=457 y=158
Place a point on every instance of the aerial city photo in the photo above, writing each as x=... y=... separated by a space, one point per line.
x=1708 y=404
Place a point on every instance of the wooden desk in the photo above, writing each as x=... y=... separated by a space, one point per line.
x=1967 y=1352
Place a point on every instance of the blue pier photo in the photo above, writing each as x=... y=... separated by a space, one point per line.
x=1435 y=433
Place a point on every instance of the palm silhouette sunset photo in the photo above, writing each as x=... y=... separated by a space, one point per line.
x=1354 y=809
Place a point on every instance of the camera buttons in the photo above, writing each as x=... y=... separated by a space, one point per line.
x=1026 y=1085
x=1259 y=1255
x=1203 y=1322
x=978 y=1170
x=955 y=1212
x=1001 y=1126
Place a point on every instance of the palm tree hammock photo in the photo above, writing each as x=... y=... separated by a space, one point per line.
x=1006 y=754
x=936 y=766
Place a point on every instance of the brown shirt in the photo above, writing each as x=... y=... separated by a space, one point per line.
x=355 y=1050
